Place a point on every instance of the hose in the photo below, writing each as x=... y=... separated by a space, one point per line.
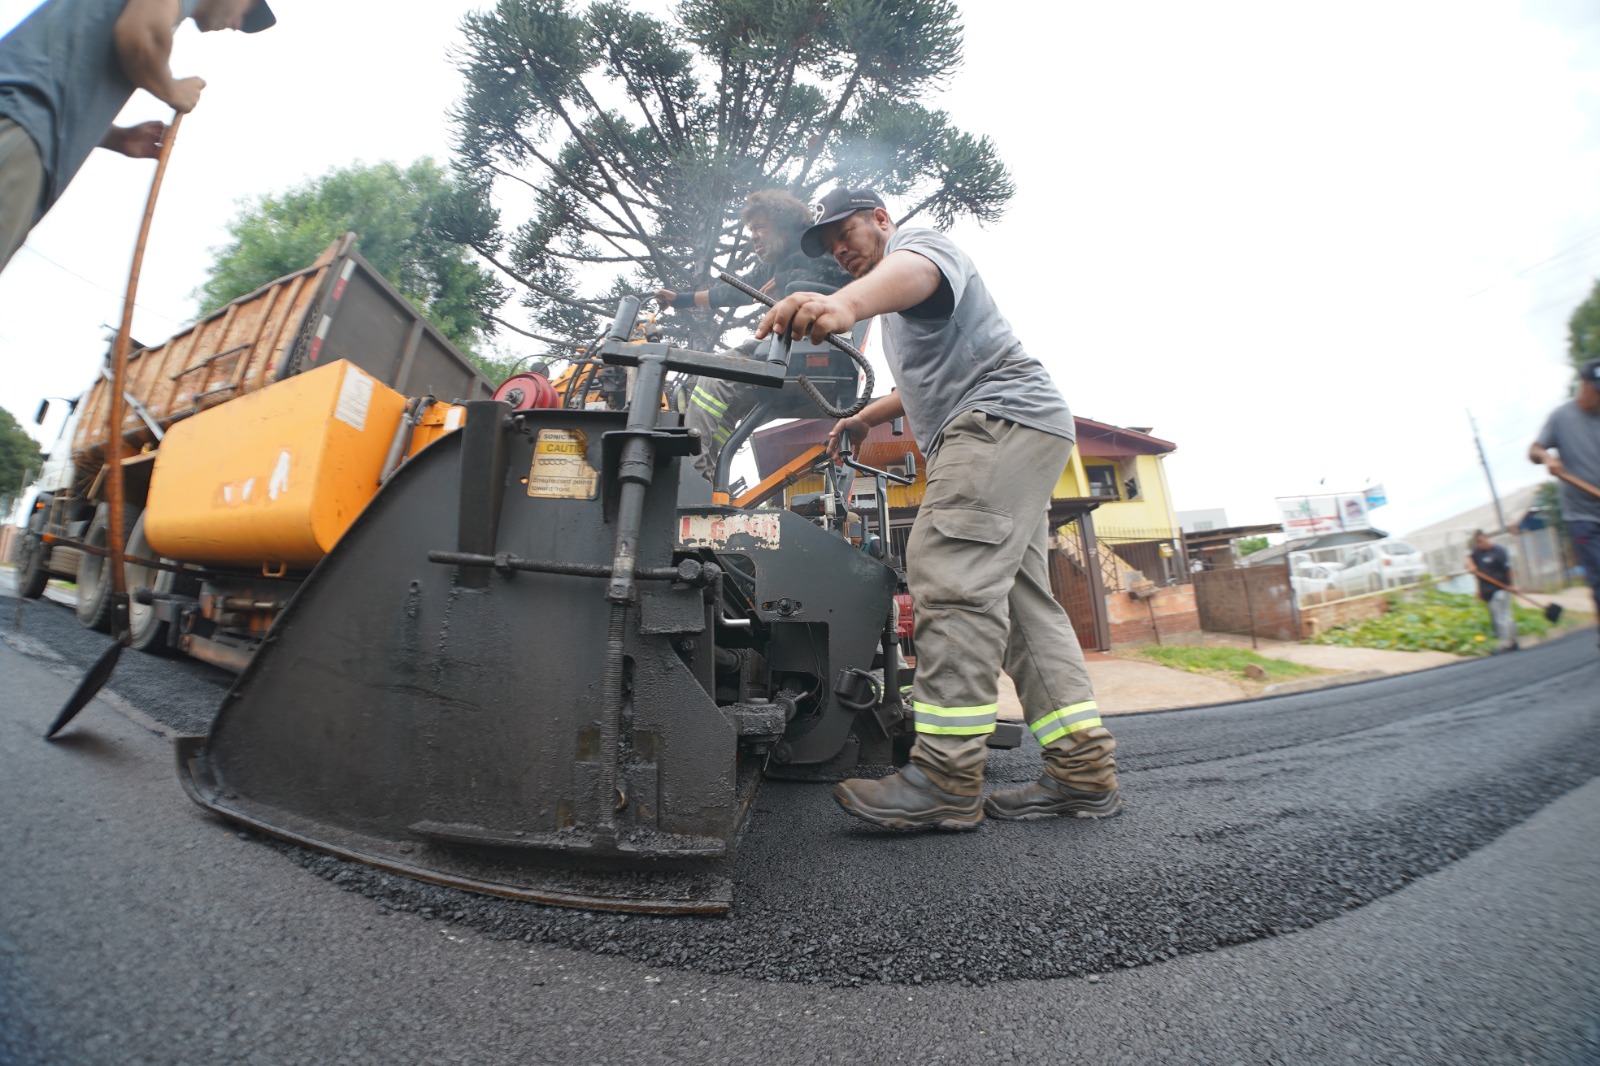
x=834 y=339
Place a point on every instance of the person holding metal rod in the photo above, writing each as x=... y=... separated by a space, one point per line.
x=998 y=435
x=774 y=218
x=65 y=72
x=1569 y=446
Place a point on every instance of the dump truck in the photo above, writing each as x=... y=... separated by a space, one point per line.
x=252 y=440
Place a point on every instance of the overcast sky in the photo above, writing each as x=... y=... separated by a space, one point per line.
x=1299 y=241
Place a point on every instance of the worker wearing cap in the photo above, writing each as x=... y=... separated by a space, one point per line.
x=998 y=436
x=1569 y=444
x=65 y=72
x=774 y=219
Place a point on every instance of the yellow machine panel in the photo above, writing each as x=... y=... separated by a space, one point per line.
x=273 y=479
x=436 y=421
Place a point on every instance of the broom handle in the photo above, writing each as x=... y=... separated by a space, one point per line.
x=1577 y=482
x=119 y=371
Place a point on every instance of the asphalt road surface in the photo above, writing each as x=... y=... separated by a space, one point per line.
x=1401 y=871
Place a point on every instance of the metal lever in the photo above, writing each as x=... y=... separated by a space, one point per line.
x=872 y=471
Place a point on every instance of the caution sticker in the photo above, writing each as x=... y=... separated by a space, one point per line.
x=560 y=470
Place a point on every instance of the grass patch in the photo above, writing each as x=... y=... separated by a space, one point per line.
x=1224 y=662
x=1431 y=620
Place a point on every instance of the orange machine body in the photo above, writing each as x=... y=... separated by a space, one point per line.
x=274 y=478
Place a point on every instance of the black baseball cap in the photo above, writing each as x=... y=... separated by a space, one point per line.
x=258 y=18
x=1589 y=371
x=840 y=203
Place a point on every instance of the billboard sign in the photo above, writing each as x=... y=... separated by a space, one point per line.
x=1313 y=516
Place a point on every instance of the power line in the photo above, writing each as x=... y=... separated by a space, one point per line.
x=102 y=288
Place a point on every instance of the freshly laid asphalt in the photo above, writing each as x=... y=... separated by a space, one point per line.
x=1397 y=871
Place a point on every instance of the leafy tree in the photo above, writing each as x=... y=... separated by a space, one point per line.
x=20 y=459
x=1250 y=545
x=392 y=211
x=638 y=138
x=1583 y=330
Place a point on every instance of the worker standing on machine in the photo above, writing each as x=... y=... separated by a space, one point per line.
x=774 y=219
x=997 y=434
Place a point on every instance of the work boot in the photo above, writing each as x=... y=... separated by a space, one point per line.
x=1048 y=798
x=909 y=800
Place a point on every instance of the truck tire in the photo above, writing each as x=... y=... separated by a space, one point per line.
x=95 y=587
x=33 y=575
x=147 y=632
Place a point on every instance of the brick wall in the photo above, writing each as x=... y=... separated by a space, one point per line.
x=1246 y=600
x=1321 y=617
x=1175 y=617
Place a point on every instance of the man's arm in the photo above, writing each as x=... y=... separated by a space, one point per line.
x=143 y=37
x=1538 y=453
x=903 y=279
x=137 y=142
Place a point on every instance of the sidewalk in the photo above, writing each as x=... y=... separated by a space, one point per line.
x=1126 y=686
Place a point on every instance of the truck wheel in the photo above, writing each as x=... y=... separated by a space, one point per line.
x=34 y=576
x=146 y=631
x=95 y=597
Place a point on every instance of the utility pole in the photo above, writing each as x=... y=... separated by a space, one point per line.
x=1499 y=513
x=1483 y=461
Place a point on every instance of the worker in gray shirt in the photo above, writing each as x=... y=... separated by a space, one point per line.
x=998 y=435
x=65 y=72
x=1569 y=444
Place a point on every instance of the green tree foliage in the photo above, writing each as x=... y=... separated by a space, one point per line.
x=392 y=211
x=1250 y=545
x=638 y=138
x=20 y=459
x=1583 y=329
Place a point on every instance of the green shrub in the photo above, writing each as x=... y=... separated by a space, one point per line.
x=1430 y=620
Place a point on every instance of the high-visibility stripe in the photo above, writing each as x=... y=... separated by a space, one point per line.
x=955 y=721
x=715 y=414
x=721 y=434
x=710 y=402
x=1070 y=719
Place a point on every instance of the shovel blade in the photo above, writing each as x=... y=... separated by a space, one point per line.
x=87 y=689
x=1552 y=612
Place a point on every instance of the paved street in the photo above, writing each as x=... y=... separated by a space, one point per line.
x=1400 y=871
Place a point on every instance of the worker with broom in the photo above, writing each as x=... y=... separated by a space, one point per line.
x=1569 y=446
x=65 y=72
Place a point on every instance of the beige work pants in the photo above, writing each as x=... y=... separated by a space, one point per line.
x=21 y=185
x=980 y=586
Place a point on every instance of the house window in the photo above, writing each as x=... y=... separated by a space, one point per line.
x=1102 y=480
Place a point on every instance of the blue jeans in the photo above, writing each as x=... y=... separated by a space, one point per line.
x=1586 y=541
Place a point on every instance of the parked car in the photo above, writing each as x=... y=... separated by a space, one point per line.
x=1379 y=565
x=1315 y=580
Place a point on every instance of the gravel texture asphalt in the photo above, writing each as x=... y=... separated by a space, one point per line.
x=1245 y=822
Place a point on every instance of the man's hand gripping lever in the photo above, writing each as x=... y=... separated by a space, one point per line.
x=834 y=339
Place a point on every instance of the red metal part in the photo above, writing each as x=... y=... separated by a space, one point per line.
x=528 y=391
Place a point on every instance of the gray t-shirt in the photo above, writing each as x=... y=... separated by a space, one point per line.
x=955 y=352
x=61 y=81
x=1576 y=438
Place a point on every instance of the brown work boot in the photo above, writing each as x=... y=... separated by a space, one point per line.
x=909 y=800
x=1048 y=798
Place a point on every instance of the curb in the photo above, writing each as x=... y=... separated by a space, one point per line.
x=1311 y=684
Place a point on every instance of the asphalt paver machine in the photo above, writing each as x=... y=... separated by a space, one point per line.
x=542 y=665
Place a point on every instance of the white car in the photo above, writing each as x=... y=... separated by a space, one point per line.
x=1379 y=565
x=1315 y=579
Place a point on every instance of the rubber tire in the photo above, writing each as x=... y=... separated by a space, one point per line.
x=32 y=577
x=94 y=571
x=146 y=632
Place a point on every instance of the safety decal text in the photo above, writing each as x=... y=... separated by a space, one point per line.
x=560 y=470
